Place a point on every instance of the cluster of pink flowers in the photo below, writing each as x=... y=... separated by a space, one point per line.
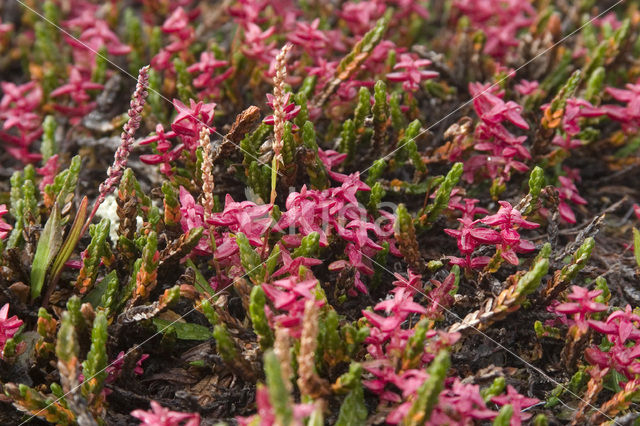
x=77 y=89
x=622 y=329
x=181 y=35
x=186 y=125
x=507 y=240
x=503 y=149
x=582 y=305
x=629 y=114
x=167 y=153
x=267 y=415
x=499 y=20
x=5 y=228
x=458 y=403
x=251 y=219
x=160 y=416
x=22 y=124
x=206 y=80
x=335 y=211
x=412 y=75
x=8 y=326
x=95 y=34
x=289 y=296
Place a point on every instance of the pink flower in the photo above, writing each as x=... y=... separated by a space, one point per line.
x=583 y=304
x=361 y=16
x=568 y=192
x=267 y=416
x=510 y=220
x=5 y=228
x=628 y=115
x=76 y=88
x=290 y=110
x=160 y=416
x=518 y=402
x=255 y=46
x=412 y=75
x=192 y=216
x=8 y=326
x=310 y=38
x=499 y=21
x=526 y=87
x=621 y=329
x=190 y=120
x=206 y=67
x=290 y=295
x=17 y=109
x=503 y=149
x=115 y=368
x=164 y=147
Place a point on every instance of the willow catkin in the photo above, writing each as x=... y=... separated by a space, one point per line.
x=279 y=115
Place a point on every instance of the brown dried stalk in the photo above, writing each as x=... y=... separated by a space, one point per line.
x=509 y=300
x=309 y=383
x=245 y=122
x=618 y=402
x=593 y=389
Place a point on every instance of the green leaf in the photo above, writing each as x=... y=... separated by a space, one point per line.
x=636 y=245
x=353 y=410
x=504 y=416
x=278 y=394
x=427 y=395
x=184 y=330
x=48 y=246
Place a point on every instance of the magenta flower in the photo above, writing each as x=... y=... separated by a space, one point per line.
x=17 y=109
x=621 y=328
x=160 y=416
x=290 y=110
x=255 y=45
x=628 y=115
x=518 y=402
x=469 y=237
x=267 y=416
x=412 y=75
x=499 y=21
x=310 y=38
x=77 y=88
x=164 y=147
x=582 y=305
x=361 y=16
x=115 y=368
x=526 y=87
x=192 y=216
x=8 y=326
x=568 y=192
x=289 y=296
x=190 y=120
x=503 y=150
x=5 y=228
x=206 y=67
x=440 y=296
x=509 y=220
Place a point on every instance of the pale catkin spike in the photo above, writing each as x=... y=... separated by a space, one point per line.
x=208 y=182
x=309 y=383
x=279 y=116
x=281 y=347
